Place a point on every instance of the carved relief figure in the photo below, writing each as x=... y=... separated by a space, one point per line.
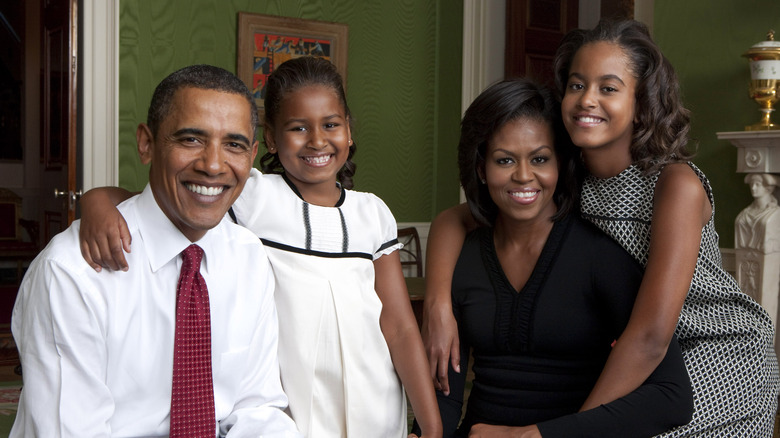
x=758 y=225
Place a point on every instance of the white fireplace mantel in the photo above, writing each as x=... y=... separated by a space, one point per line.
x=757 y=266
x=757 y=151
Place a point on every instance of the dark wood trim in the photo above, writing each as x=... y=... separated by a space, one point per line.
x=530 y=45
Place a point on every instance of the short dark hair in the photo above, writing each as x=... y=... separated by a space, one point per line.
x=290 y=76
x=202 y=76
x=499 y=104
x=663 y=123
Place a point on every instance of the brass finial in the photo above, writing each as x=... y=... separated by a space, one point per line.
x=770 y=36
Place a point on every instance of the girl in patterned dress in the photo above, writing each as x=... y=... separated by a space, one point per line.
x=347 y=337
x=622 y=107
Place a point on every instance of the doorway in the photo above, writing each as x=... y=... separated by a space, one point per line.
x=38 y=125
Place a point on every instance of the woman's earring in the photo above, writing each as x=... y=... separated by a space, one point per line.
x=350 y=141
x=483 y=181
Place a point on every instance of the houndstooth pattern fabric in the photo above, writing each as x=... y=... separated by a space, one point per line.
x=726 y=337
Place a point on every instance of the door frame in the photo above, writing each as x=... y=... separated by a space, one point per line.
x=99 y=64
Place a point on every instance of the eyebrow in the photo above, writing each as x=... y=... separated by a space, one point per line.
x=190 y=131
x=535 y=151
x=302 y=120
x=239 y=138
x=604 y=77
x=201 y=133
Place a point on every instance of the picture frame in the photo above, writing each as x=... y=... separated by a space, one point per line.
x=265 y=41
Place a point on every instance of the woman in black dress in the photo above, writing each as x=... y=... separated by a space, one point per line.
x=540 y=295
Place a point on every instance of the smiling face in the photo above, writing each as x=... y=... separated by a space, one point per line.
x=599 y=102
x=200 y=157
x=521 y=170
x=311 y=135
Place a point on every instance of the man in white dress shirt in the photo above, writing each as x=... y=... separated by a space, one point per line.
x=97 y=348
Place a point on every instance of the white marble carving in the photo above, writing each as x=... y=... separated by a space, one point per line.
x=757 y=241
x=758 y=225
x=757 y=228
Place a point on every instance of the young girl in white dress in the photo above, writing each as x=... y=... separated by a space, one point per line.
x=348 y=339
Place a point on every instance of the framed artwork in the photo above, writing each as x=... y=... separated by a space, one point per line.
x=265 y=41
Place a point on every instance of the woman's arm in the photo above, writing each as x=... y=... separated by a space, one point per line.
x=493 y=431
x=662 y=402
x=403 y=340
x=103 y=232
x=439 y=329
x=680 y=210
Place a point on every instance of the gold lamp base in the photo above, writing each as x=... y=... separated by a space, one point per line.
x=765 y=124
x=762 y=127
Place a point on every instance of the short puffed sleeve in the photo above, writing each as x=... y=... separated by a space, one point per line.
x=388 y=229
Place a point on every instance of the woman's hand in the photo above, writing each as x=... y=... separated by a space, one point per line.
x=491 y=431
x=442 y=345
x=439 y=328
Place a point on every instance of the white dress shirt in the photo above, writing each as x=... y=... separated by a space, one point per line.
x=97 y=348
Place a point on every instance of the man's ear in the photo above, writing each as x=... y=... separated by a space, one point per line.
x=145 y=141
x=254 y=150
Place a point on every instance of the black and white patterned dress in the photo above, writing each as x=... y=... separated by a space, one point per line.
x=726 y=337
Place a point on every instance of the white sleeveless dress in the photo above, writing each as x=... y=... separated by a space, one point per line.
x=334 y=361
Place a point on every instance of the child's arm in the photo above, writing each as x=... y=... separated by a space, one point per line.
x=680 y=211
x=439 y=329
x=403 y=340
x=103 y=233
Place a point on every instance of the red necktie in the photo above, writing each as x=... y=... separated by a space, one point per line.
x=192 y=398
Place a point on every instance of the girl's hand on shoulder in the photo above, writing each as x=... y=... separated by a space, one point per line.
x=492 y=431
x=103 y=233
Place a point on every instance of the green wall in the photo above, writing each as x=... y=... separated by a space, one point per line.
x=704 y=40
x=403 y=83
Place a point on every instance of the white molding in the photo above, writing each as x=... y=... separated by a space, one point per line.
x=589 y=13
x=99 y=64
x=484 y=32
x=484 y=24
x=644 y=11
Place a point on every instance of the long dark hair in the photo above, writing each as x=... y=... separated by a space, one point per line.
x=663 y=124
x=499 y=104
x=290 y=76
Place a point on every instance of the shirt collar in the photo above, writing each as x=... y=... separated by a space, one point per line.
x=163 y=241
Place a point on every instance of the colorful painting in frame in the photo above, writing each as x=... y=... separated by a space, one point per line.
x=265 y=41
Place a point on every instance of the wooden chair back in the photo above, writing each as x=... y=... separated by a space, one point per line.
x=411 y=254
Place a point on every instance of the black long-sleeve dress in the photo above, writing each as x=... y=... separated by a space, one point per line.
x=538 y=352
